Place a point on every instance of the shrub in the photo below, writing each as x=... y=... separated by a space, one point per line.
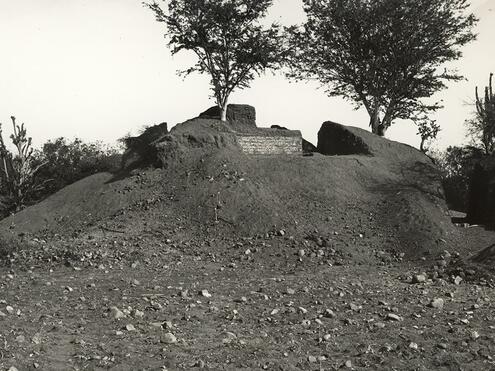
x=457 y=165
x=69 y=161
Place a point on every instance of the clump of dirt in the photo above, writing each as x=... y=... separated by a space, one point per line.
x=141 y=150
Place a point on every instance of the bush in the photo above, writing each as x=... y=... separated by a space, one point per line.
x=457 y=165
x=69 y=161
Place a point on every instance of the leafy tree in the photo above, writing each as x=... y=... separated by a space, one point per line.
x=227 y=38
x=482 y=127
x=19 y=171
x=384 y=55
x=428 y=131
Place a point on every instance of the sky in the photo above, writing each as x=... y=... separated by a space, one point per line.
x=100 y=69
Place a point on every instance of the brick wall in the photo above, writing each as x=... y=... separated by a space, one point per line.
x=270 y=145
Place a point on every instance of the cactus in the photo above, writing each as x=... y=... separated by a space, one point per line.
x=485 y=108
x=18 y=172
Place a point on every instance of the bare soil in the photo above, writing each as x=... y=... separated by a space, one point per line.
x=270 y=308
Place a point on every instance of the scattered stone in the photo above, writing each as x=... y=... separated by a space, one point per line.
x=306 y=323
x=229 y=338
x=20 y=339
x=348 y=364
x=12 y=368
x=327 y=337
x=36 y=339
x=442 y=346
x=420 y=278
x=116 y=313
x=130 y=327
x=138 y=314
x=457 y=280
x=9 y=309
x=274 y=312
x=205 y=293
x=393 y=317
x=380 y=325
x=291 y=291
x=437 y=303
x=413 y=346
x=355 y=308
x=303 y=310
x=168 y=338
x=301 y=253
x=329 y=313
x=474 y=335
x=312 y=359
x=184 y=294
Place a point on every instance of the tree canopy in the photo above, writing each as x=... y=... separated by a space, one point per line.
x=385 y=55
x=226 y=35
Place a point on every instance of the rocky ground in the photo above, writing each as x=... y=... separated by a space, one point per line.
x=268 y=303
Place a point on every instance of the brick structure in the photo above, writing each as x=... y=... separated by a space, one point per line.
x=253 y=140
x=270 y=143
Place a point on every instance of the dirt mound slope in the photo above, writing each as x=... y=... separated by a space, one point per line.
x=208 y=187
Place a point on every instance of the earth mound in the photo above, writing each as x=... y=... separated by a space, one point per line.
x=388 y=199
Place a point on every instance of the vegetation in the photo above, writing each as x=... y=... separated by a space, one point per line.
x=457 y=165
x=384 y=55
x=227 y=38
x=428 y=131
x=69 y=161
x=482 y=127
x=19 y=170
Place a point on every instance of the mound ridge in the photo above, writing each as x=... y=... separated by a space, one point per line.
x=391 y=199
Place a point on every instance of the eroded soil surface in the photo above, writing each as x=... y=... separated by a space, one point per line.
x=254 y=304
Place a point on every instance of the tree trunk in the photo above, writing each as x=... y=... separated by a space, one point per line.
x=223 y=113
x=376 y=125
x=422 y=145
x=223 y=104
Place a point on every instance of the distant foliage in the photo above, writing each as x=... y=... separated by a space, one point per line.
x=227 y=38
x=385 y=55
x=457 y=165
x=481 y=128
x=19 y=170
x=69 y=161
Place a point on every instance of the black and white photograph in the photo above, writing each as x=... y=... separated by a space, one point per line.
x=247 y=185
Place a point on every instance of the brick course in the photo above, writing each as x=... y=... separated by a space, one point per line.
x=270 y=145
